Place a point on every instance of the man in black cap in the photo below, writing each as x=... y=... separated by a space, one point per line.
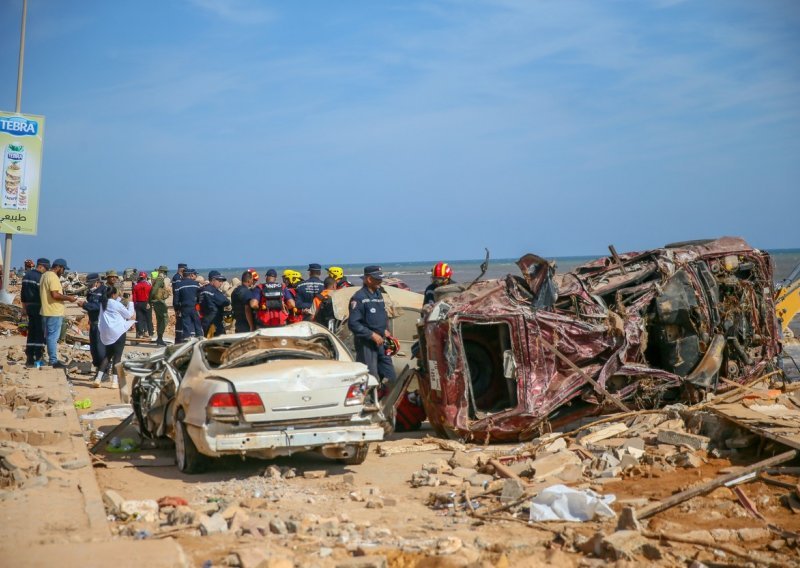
x=94 y=300
x=307 y=290
x=368 y=322
x=52 y=296
x=212 y=304
x=32 y=302
x=176 y=278
x=187 y=294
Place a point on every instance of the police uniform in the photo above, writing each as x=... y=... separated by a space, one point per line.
x=368 y=315
x=186 y=294
x=212 y=304
x=34 y=346
x=176 y=278
x=307 y=290
x=94 y=300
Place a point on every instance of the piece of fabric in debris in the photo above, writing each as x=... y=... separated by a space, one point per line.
x=562 y=503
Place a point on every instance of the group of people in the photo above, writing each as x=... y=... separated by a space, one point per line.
x=200 y=311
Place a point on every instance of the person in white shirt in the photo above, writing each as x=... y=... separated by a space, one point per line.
x=114 y=322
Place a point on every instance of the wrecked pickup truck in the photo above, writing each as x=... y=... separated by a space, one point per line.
x=269 y=393
x=506 y=359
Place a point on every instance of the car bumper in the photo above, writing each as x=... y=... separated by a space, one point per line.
x=284 y=441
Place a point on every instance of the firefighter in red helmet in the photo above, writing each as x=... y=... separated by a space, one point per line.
x=441 y=275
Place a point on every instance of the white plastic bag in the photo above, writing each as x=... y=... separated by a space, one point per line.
x=562 y=503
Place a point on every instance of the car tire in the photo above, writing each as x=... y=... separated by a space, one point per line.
x=359 y=457
x=187 y=456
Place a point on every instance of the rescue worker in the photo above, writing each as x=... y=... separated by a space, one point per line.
x=337 y=273
x=291 y=278
x=94 y=300
x=158 y=301
x=186 y=293
x=273 y=297
x=368 y=323
x=244 y=301
x=32 y=303
x=307 y=289
x=141 y=302
x=441 y=275
x=323 y=304
x=177 y=277
x=212 y=304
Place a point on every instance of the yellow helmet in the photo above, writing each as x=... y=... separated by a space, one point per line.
x=336 y=272
x=292 y=276
x=287 y=273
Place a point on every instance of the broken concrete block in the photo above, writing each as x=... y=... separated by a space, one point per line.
x=76 y=463
x=374 y=504
x=627 y=462
x=318 y=474
x=553 y=464
x=463 y=472
x=687 y=460
x=571 y=473
x=676 y=438
x=462 y=459
x=751 y=534
x=607 y=431
x=181 y=515
x=512 y=490
x=113 y=501
x=16 y=460
x=622 y=545
x=214 y=524
x=628 y=521
x=277 y=526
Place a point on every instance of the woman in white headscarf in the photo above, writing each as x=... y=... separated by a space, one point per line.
x=115 y=321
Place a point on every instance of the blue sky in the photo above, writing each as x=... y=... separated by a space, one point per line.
x=236 y=132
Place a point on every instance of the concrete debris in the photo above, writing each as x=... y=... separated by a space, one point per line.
x=213 y=525
x=677 y=438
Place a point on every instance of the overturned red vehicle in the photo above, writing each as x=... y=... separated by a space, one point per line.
x=502 y=358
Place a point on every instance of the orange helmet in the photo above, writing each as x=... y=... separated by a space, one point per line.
x=254 y=273
x=391 y=345
x=442 y=270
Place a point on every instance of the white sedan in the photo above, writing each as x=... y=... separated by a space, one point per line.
x=269 y=393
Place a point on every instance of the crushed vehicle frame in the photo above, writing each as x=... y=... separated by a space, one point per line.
x=506 y=359
x=269 y=393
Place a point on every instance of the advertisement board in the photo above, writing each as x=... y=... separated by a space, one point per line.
x=21 y=138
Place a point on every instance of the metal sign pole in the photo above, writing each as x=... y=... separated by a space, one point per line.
x=7 y=252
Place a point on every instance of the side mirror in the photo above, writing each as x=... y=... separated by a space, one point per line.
x=509 y=365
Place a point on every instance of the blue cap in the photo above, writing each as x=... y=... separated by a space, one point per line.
x=92 y=276
x=272 y=272
x=314 y=266
x=44 y=262
x=189 y=271
x=374 y=271
x=61 y=262
x=181 y=265
x=215 y=275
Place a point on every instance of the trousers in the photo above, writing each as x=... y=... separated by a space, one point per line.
x=375 y=358
x=144 y=319
x=162 y=317
x=52 y=326
x=190 y=324
x=113 y=355
x=96 y=347
x=34 y=346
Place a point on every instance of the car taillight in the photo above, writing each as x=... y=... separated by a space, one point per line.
x=223 y=404
x=355 y=394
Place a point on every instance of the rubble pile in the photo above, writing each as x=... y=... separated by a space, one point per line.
x=24 y=466
x=572 y=477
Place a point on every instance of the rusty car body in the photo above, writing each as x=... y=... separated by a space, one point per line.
x=501 y=358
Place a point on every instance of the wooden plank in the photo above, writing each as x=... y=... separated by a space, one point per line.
x=787 y=439
x=704 y=488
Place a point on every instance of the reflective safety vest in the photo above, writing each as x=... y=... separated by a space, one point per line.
x=271 y=311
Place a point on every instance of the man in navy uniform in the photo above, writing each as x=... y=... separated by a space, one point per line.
x=212 y=304
x=94 y=299
x=177 y=277
x=32 y=302
x=368 y=322
x=187 y=294
x=307 y=290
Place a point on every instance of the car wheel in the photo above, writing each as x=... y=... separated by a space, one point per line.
x=359 y=457
x=188 y=458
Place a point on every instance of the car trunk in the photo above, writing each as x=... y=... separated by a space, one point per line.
x=298 y=390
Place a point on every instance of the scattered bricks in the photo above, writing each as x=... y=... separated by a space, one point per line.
x=628 y=521
x=512 y=490
x=676 y=438
x=212 y=525
x=318 y=474
x=113 y=501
